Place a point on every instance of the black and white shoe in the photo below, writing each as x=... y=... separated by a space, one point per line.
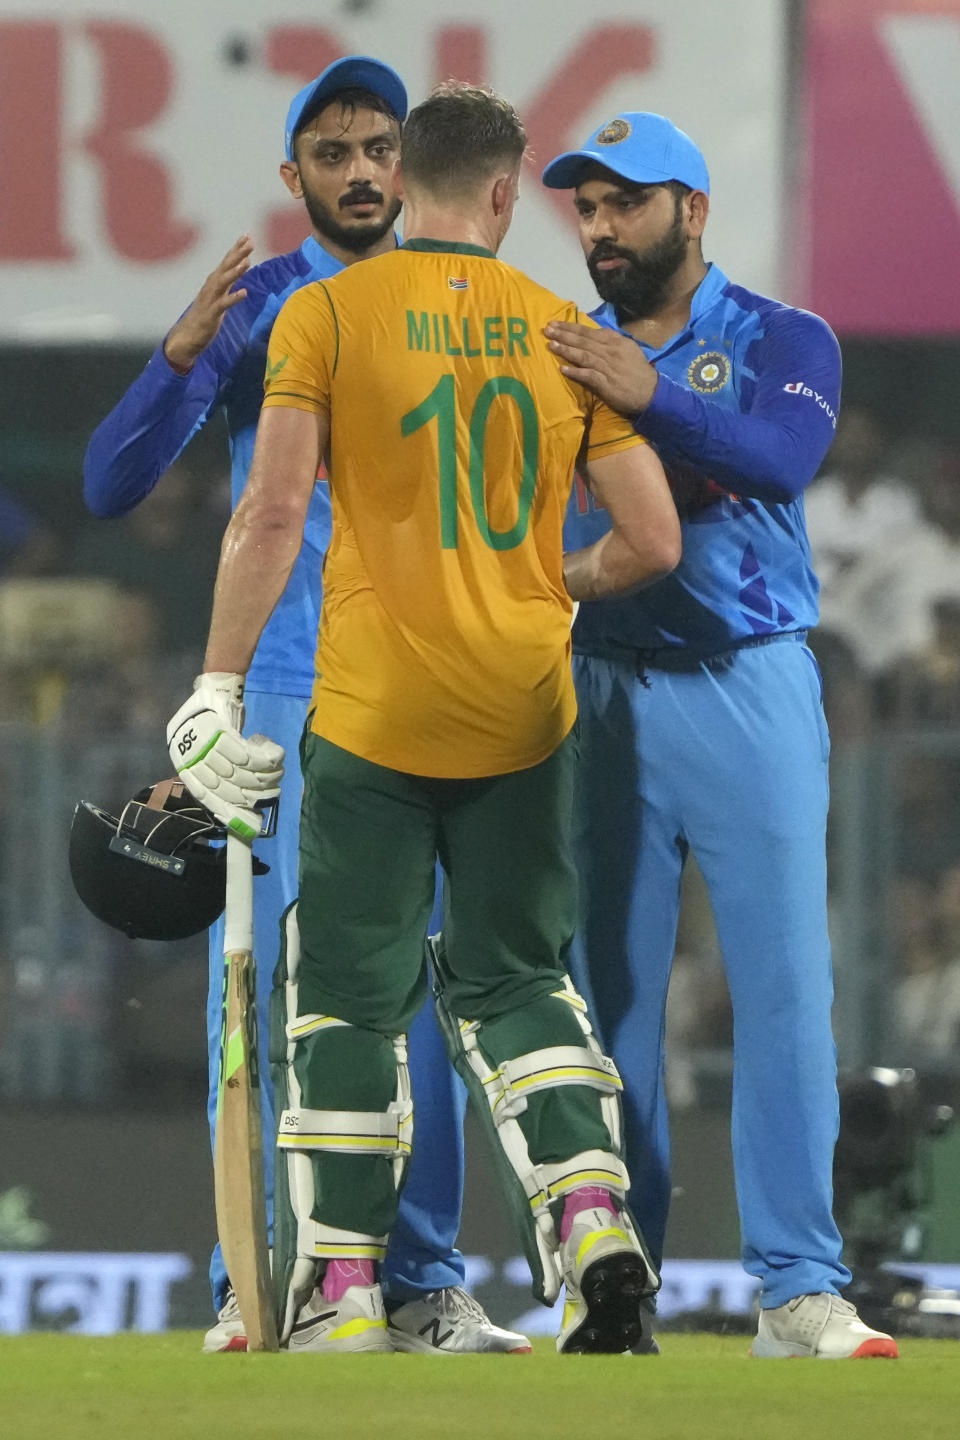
x=606 y=1276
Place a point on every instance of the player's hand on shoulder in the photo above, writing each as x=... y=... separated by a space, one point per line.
x=609 y=364
x=199 y=325
x=223 y=769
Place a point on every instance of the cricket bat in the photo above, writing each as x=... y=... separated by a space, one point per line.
x=238 y=1148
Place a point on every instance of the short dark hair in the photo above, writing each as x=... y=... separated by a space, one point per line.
x=459 y=136
x=678 y=190
x=350 y=100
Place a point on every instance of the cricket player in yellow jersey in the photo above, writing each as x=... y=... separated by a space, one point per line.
x=443 y=725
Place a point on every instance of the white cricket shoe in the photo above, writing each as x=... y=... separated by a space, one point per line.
x=606 y=1274
x=355 y=1324
x=451 y=1322
x=821 y=1326
x=228 y=1333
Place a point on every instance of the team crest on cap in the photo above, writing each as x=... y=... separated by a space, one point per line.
x=613 y=133
x=709 y=373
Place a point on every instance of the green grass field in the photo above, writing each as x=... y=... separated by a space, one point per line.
x=161 y=1388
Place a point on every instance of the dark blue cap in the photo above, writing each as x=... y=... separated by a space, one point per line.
x=360 y=72
x=639 y=146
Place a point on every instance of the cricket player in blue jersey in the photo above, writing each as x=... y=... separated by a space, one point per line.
x=342 y=145
x=700 y=706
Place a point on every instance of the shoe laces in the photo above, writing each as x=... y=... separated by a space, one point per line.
x=455 y=1303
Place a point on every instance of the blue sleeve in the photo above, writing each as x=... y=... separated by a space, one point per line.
x=143 y=435
x=772 y=448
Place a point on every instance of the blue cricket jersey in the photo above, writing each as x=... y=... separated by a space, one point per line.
x=162 y=411
x=744 y=411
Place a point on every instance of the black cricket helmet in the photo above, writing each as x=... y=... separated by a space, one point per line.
x=156 y=872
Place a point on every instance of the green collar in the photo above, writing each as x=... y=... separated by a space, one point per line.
x=444 y=247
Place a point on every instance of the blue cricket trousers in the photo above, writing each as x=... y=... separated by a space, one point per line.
x=730 y=764
x=421 y=1255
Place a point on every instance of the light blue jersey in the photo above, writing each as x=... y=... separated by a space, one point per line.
x=745 y=569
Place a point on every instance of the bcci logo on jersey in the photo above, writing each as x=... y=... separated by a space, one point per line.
x=709 y=373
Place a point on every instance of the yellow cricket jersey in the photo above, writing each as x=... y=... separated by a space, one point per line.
x=444 y=646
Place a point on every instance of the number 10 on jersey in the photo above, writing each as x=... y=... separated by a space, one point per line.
x=442 y=404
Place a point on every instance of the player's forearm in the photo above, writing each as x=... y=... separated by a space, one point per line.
x=264 y=536
x=258 y=554
x=143 y=435
x=616 y=564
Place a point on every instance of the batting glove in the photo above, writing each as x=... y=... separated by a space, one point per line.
x=223 y=769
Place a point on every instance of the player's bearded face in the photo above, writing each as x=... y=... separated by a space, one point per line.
x=345 y=160
x=639 y=286
x=351 y=224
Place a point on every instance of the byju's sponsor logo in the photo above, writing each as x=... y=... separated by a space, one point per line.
x=797 y=387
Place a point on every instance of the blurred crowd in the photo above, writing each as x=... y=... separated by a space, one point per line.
x=102 y=620
x=102 y=628
x=102 y=625
x=884 y=526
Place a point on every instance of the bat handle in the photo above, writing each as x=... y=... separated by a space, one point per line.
x=238 y=919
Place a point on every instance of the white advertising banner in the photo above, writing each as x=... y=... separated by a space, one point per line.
x=138 y=140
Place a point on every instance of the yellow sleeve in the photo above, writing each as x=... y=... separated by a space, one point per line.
x=607 y=430
x=302 y=354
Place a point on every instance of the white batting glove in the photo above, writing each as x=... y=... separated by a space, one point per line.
x=223 y=769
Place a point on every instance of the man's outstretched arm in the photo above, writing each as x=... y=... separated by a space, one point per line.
x=772 y=450
x=173 y=397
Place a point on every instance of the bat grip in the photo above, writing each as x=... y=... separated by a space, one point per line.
x=238 y=918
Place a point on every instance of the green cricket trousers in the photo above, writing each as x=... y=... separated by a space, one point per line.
x=369 y=841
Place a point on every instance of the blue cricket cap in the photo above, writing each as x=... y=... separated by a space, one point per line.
x=359 y=72
x=639 y=146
